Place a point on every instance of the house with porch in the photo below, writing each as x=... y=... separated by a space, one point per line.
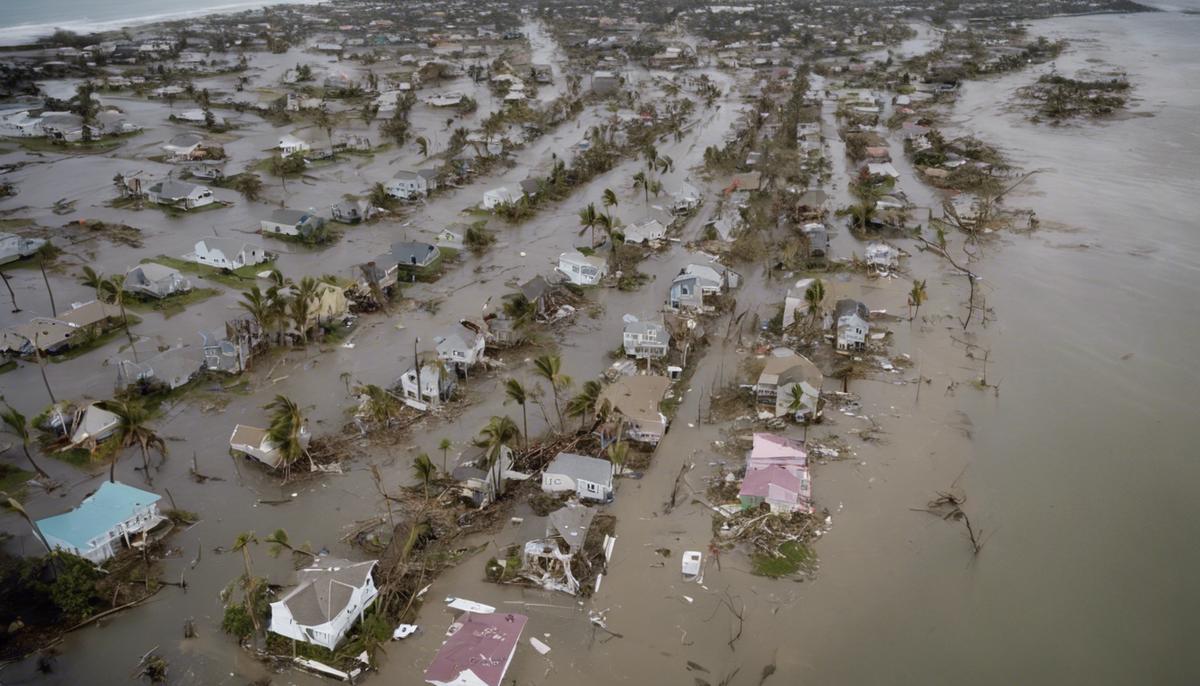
x=589 y=478
x=180 y=194
x=582 y=270
x=645 y=340
x=330 y=595
x=636 y=400
x=95 y=530
x=851 y=319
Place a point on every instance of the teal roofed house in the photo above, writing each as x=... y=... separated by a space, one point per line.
x=95 y=529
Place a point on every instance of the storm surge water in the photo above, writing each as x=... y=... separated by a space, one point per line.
x=26 y=20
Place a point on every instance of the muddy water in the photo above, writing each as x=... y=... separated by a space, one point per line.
x=1075 y=471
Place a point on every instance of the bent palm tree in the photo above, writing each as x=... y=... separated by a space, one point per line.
x=424 y=470
x=94 y=280
x=916 y=297
x=549 y=367
x=515 y=392
x=286 y=431
x=495 y=437
x=583 y=404
x=588 y=218
x=132 y=430
x=19 y=427
x=814 y=296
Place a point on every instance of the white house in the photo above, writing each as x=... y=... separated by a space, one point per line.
x=435 y=387
x=638 y=399
x=330 y=596
x=290 y=145
x=292 y=222
x=794 y=304
x=651 y=230
x=180 y=194
x=497 y=197
x=407 y=185
x=883 y=169
x=14 y=247
x=226 y=253
x=588 y=477
x=478 y=481
x=182 y=146
x=21 y=125
x=882 y=257
x=687 y=198
x=255 y=442
x=851 y=318
x=461 y=348
x=154 y=280
x=95 y=529
x=645 y=340
x=581 y=269
x=775 y=388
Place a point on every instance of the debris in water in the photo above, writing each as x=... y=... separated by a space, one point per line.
x=404 y=631
x=538 y=645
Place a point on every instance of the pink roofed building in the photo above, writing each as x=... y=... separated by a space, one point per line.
x=781 y=490
x=771 y=450
x=478 y=651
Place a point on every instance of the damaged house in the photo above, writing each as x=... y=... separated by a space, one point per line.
x=636 y=401
x=589 y=478
x=436 y=386
x=776 y=390
x=556 y=562
x=94 y=531
x=697 y=283
x=232 y=351
x=851 y=318
x=330 y=596
x=461 y=348
x=153 y=280
x=480 y=482
x=478 y=650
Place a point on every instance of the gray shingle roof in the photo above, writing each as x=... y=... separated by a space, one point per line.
x=582 y=467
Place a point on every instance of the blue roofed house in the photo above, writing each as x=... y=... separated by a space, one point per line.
x=95 y=529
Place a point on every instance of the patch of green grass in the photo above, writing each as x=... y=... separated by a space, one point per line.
x=793 y=557
x=76 y=457
x=12 y=479
x=10 y=223
x=94 y=342
x=173 y=305
x=240 y=278
x=79 y=148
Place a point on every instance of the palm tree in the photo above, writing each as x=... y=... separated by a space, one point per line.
x=279 y=542
x=588 y=218
x=515 y=392
x=300 y=306
x=615 y=237
x=250 y=586
x=254 y=302
x=651 y=155
x=379 y=196
x=916 y=297
x=641 y=182
x=796 y=400
x=94 y=280
x=286 y=431
x=609 y=199
x=379 y=405
x=19 y=427
x=422 y=146
x=116 y=286
x=618 y=453
x=549 y=367
x=814 y=296
x=583 y=403
x=495 y=437
x=132 y=430
x=424 y=470
x=444 y=446
x=664 y=164
x=11 y=296
x=16 y=506
x=325 y=121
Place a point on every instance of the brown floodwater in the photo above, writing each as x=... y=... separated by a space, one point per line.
x=1079 y=471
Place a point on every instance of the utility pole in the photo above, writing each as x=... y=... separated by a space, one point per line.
x=417 y=366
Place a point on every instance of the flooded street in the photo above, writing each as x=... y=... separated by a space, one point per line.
x=1080 y=469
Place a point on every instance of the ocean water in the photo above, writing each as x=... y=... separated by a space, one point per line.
x=24 y=20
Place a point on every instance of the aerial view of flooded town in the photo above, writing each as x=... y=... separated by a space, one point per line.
x=599 y=342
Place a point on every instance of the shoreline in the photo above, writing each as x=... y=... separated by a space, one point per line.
x=26 y=36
